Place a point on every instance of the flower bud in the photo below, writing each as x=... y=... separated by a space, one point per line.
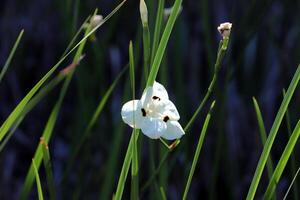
x=225 y=29
x=144 y=13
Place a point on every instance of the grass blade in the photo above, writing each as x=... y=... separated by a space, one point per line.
x=273 y=132
x=263 y=135
x=12 y=53
x=135 y=163
x=197 y=153
x=293 y=159
x=163 y=43
x=38 y=181
x=92 y=123
x=293 y=181
x=48 y=168
x=125 y=169
x=157 y=29
x=282 y=162
x=16 y=112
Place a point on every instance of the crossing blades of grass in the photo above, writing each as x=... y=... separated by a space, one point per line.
x=293 y=158
x=7 y=124
x=38 y=181
x=273 y=132
x=8 y=61
x=163 y=43
x=263 y=135
x=92 y=123
x=48 y=131
x=197 y=153
x=158 y=26
x=282 y=162
x=48 y=168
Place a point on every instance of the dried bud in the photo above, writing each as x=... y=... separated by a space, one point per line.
x=225 y=29
x=96 y=20
x=144 y=13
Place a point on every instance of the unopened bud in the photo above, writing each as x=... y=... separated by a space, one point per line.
x=96 y=20
x=144 y=13
x=225 y=29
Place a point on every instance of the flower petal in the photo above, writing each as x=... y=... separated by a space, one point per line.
x=147 y=96
x=173 y=131
x=160 y=91
x=153 y=127
x=167 y=108
x=131 y=113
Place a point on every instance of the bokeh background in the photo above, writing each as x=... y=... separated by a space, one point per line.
x=261 y=59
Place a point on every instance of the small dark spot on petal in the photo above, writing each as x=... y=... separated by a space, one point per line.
x=166 y=118
x=156 y=97
x=143 y=112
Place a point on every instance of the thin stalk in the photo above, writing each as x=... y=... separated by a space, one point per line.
x=157 y=29
x=11 y=54
x=293 y=181
x=48 y=169
x=135 y=163
x=38 y=181
x=197 y=153
x=263 y=135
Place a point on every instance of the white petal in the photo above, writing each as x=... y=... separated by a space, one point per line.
x=153 y=127
x=160 y=91
x=173 y=131
x=147 y=96
x=167 y=108
x=131 y=112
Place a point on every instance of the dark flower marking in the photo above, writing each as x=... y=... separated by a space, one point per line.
x=166 y=118
x=143 y=112
x=156 y=97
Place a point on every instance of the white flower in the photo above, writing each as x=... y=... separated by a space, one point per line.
x=154 y=114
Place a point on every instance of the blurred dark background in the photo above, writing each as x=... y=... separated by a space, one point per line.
x=261 y=59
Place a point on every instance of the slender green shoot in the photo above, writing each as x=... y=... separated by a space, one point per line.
x=163 y=194
x=135 y=163
x=263 y=135
x=273 y=132
x=197 y=153
x=124 y=170
x=48 y=169
x=38 y=181
x=163 y=43
x=293 y=159
x=157 y=29
x=293 y=181
x=12 y=53
x=282 y=162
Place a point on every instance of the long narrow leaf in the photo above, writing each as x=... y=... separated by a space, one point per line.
x=273 y=132
x=38 y=181
x=282 y=162
x=263 y=135
x=197 y=153
x=12 y=53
